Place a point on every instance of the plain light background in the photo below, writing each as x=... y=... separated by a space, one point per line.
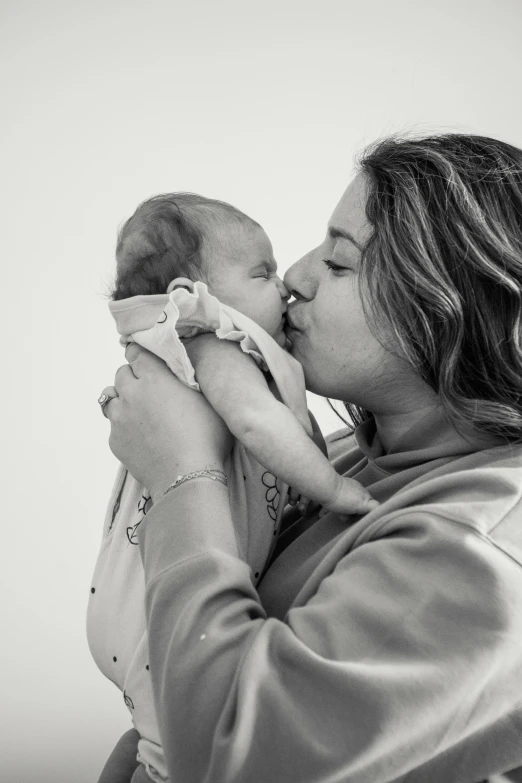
x=262 y=104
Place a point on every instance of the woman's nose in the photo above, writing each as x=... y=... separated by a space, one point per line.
x=299 y=279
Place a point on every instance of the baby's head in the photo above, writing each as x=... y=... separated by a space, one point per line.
x=186 y=235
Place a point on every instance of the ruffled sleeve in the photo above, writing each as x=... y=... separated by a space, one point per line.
x=161 y=324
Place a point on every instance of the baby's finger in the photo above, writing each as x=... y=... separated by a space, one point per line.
x=356 y=497
x=293 y=496
x=363 y=502
x=303 y=504
x=343 y=517
x=370 y=503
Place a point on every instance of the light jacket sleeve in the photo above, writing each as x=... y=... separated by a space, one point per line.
x=405 y=649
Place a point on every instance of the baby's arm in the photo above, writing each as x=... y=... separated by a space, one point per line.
x=236 y=388
x=295 y=498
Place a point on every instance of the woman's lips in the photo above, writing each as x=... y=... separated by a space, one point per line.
x=290 y=322
x=289 y=325
x=291 y=333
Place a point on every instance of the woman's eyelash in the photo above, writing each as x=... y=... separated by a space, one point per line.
x=333 y=266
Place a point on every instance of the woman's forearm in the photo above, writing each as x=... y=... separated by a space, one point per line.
x=213 y=528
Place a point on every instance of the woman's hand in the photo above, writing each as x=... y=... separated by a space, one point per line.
x=160 y=428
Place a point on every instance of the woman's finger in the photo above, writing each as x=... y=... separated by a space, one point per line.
x=124 y=376
x=108 y=394
x=109 y=391
x=132 y=351
x=142 y=361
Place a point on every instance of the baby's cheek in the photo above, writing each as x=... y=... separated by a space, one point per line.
x=273 y=326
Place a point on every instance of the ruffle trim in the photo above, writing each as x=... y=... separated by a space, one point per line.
x=179 y=316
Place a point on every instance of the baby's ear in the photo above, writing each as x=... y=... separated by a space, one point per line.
x=181 y=282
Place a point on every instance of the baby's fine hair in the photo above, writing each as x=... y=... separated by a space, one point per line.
x=164 y=238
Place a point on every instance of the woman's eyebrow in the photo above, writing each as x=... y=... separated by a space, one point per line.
x=339 y=233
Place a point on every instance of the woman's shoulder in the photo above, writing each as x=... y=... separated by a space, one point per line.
x=480 y=492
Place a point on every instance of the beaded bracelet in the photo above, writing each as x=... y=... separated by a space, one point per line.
x=206 y=473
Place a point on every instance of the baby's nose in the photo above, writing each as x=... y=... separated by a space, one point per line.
x=285 y=293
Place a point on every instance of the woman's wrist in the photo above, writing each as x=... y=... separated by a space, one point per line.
x=166 y=477
x=210 y=474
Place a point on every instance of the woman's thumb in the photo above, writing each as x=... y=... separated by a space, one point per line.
x=143 y=361
x=132 y=351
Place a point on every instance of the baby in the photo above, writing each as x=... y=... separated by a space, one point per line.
x=197 y=284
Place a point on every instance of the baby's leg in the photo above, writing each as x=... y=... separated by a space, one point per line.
x=122 y=762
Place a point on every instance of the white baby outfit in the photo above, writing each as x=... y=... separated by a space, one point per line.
x=116 y=626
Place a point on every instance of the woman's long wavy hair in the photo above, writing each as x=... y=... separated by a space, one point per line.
x=443 y=268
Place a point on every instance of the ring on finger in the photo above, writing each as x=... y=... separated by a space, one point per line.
x=103 y=399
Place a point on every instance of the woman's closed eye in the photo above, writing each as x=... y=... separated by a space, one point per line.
x=335 y=268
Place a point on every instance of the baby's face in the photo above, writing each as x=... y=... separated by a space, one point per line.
x=242 y=273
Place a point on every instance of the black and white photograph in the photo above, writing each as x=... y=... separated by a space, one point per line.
x=262 y=449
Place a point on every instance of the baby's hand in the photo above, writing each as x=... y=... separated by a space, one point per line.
x=350 y=498
x=304 y=505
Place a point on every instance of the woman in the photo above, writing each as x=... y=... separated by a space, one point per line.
x=387 y=648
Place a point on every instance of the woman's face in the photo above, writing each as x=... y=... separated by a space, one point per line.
x=328 y=330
